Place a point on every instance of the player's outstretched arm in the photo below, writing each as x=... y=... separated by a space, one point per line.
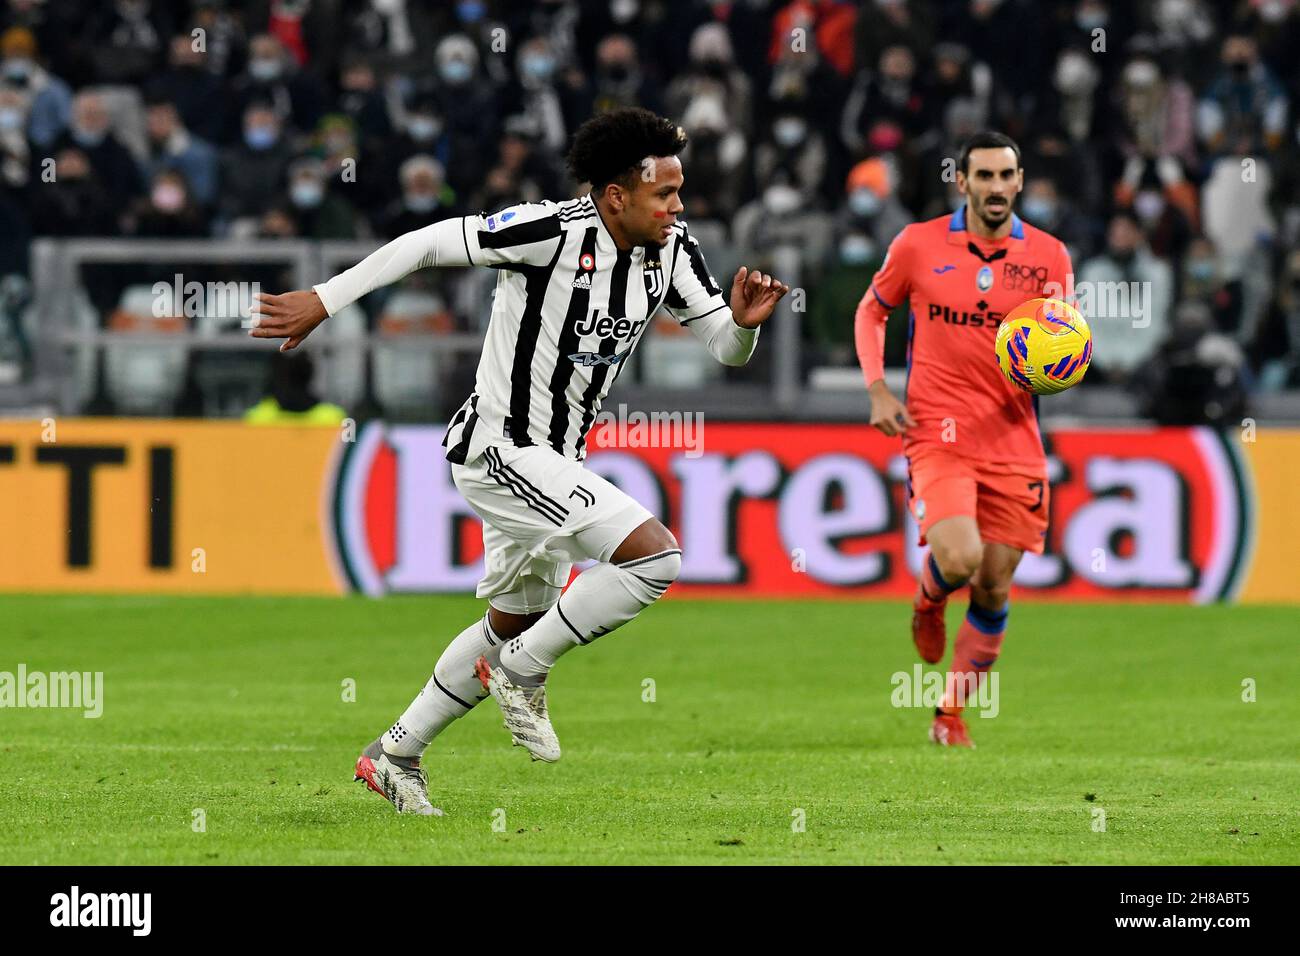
x=293 y=316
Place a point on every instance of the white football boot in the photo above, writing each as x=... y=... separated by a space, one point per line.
x=524 y=710
x=399 y=780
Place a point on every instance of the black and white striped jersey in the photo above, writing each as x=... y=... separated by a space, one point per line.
x=568 y=309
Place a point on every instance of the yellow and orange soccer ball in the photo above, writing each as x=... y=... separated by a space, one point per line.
x=1044 y=346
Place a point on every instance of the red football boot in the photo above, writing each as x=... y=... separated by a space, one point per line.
x=949 y=730
x=928 y=632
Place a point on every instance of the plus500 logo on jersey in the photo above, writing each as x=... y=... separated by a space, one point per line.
x=990 y=320
x=609 y=327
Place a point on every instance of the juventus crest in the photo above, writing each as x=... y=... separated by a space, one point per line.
x=653 y=274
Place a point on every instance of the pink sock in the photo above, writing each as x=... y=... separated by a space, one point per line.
x=979 y=640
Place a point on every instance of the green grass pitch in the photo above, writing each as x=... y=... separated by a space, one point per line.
x=762 y=708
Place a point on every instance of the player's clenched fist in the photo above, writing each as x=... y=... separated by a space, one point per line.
x=753 y=297
x=887 y=412
x=291 y=316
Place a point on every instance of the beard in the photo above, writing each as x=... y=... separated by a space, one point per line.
x=992 y=218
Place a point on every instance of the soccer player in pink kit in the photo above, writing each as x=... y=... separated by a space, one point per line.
x=977 y=472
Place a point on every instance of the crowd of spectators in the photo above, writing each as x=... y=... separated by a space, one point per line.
x=1159 y=138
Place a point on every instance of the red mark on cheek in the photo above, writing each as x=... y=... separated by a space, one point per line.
x=660 y=215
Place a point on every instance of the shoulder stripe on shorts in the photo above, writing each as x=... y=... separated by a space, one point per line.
x=522 y=489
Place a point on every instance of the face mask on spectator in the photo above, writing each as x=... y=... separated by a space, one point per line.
x=1201 y=270
x=1273 y=11
x=864 y=202
x=420 y=202
x=856 y=250
x=1148 y=204
x=168 y=197
x=18 y=71
x=1074 y=75
x=307 y=194
x=623 y=10
x=260 y=137
x=539 y=66
x=470 y=11
x=88 y=138
x=1141 y=74
x=11 y=119
x=1036 y=210
x=423 y=128
x=455 y=72
x=263 y=70
x=1091 y=19
x=781 y=199
x=789 y=131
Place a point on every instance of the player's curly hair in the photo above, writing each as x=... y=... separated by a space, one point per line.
x=610 y=147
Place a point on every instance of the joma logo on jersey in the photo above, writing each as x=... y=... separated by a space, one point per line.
x=1024 y=278
x=975 y=319
x=608 y=326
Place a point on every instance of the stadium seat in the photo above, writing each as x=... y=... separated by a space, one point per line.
x=82 y=318
x=672 y=358
x=143 y=379
x=342 y=375
x=228 y=381
x=406 y=379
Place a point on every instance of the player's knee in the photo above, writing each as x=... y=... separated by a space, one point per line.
x=649 y=538
x=991 y=598
x=507 y=625
x=958 y=563
x=650 y=576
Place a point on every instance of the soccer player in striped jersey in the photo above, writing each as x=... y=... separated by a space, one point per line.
x=977 y=472
x=578 y=284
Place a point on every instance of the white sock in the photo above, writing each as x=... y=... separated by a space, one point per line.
x=451 y=692
x=602 y=599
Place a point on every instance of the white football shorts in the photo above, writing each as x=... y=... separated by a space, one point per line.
x=541 y=512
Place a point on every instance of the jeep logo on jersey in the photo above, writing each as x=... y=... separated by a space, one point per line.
x=589 y=359
x=607 y=326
